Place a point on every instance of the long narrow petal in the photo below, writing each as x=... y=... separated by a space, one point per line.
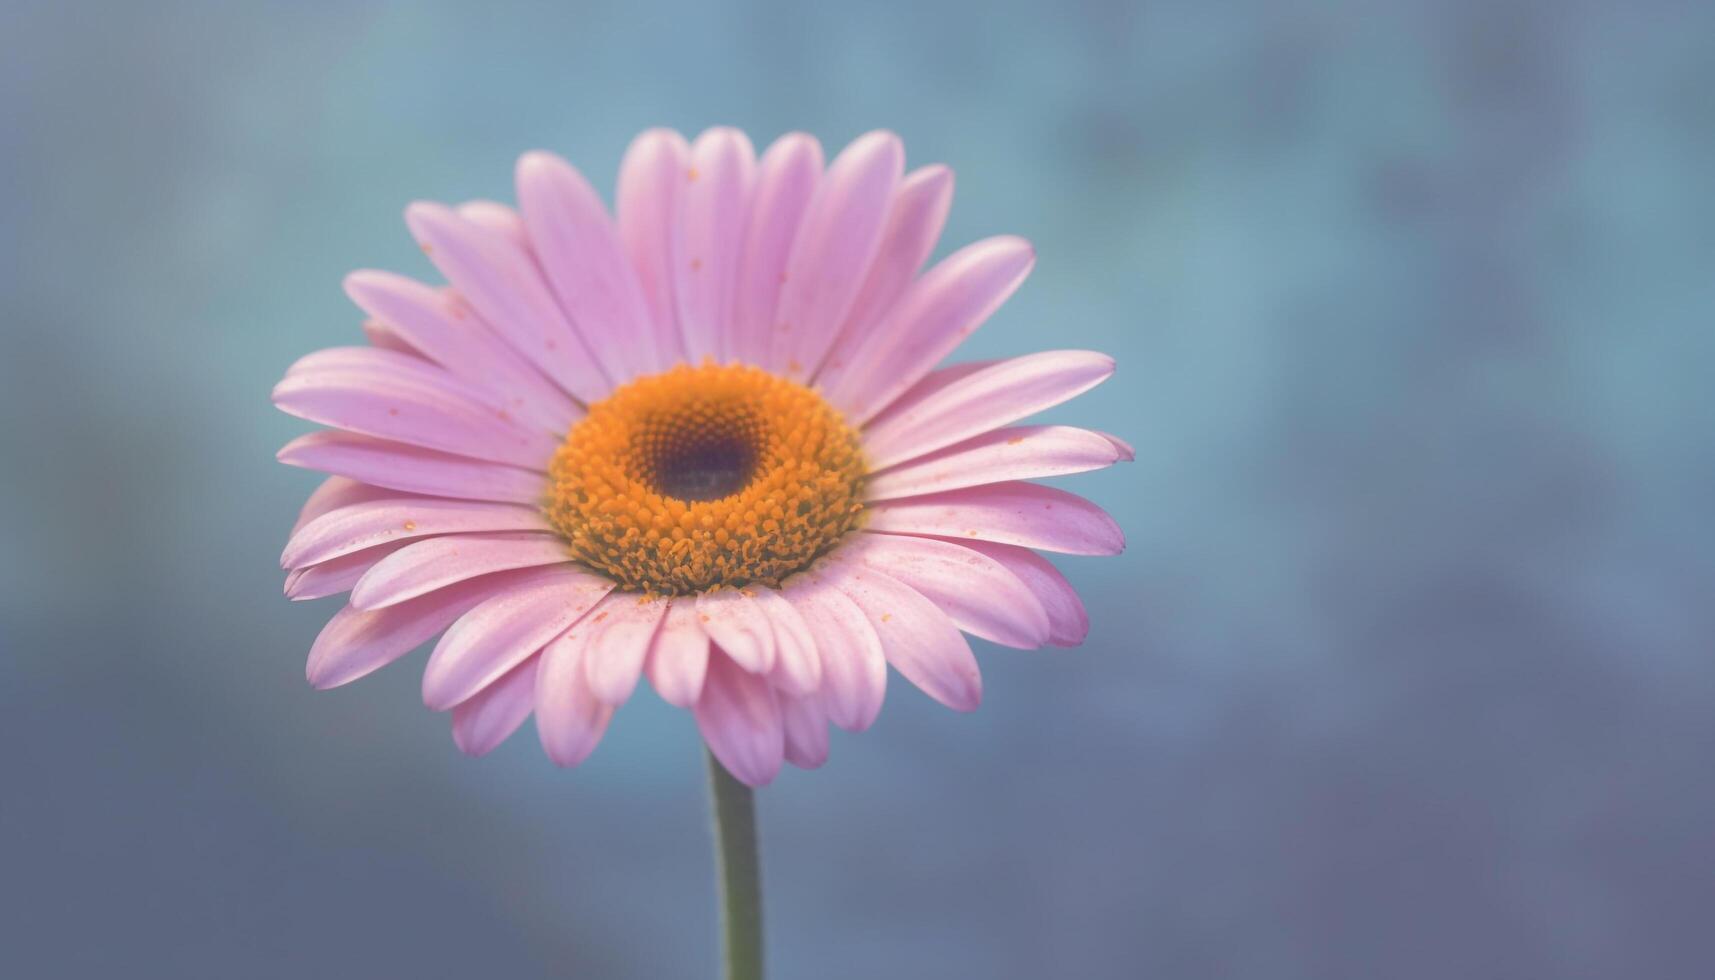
x=414 y=414
x=413 y=469
x=336 y=575
x=854 y=669
x=1127 y=452
x=498 y=218
x=1068 y=622
x=679 y=655
x=570 y=720
x=504 y=285
x=495 y=712
x=797 y=666
x=1026 y=514
x=620 y=633
x=383 y=335
x=581 y=256
x=379 y=520
x=832 y=253
x=976 y=401
x=739 y=717
x=805 y=729
x=355 y=643
x=785 y=181
x=336 y=492
x=913 y=226
x=497 y=635
x=713 y=209
x=982 y=597
x=1026 y=452
x=933 y=383
x=434 y=563
x=418 y=403
x=741 y=627
x=651 y=178
x=441 y=325
x=934 y=316
x=917 y=638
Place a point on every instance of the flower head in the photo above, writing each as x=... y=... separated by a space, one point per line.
x=704 y=444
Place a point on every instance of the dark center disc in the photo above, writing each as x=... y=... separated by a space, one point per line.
x=707 y=468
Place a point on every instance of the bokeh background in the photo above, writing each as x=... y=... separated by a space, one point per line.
x=1406 y=672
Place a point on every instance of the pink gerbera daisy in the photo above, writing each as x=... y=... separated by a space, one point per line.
x=706 y=444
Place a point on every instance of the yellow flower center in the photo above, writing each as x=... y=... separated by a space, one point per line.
x=701 y=477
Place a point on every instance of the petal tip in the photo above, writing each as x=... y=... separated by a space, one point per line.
x=423 y=217
x=881 y=141
x=968 y=700
x=934 y=179
x=536 y=160
x=730 y=135
x=357 y=282
x=795 y=142
x=436 y=688
x=656 y=136
x=468 y=747
x=1021 y=246
x=318 y=677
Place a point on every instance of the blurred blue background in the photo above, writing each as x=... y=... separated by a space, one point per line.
x=1405 y=674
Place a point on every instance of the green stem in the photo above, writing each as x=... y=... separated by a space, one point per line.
x=740 y=874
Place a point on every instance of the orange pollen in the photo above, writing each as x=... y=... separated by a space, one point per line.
x=702 y=477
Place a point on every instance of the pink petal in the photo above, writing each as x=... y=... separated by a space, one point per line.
x=497 y=635
x=504 y=285
x=714 y=206
x=335 y=575
x=495 y=712
x=913 y=226
x=393 y=396
x=1068 y=622
x=785 y=181
x=437 y=562
x=740 y=626
x=497 y=218
x=580 y=252
x=917 y=638
x=1127 y=453
x=806 y=731
x=355 y=643
x=1027 y=452
x=934 y=316
x=367 y=523
x=740 y=720
x=981 y=400
x=385 y=337
x=854 y=670
x=831 y=255
x=679 y=655
x=797 y=667
x=1025 y=514
x=336 y=492
x=621 y=629
x=934 y=382
x=569 y=719
x=979 y=594
x=413 y=469
x=651 y=177
x=444 y=328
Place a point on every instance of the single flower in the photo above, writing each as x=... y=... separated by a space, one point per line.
x=705 y=443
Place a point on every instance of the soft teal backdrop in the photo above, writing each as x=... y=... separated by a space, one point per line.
x=1406 y=673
